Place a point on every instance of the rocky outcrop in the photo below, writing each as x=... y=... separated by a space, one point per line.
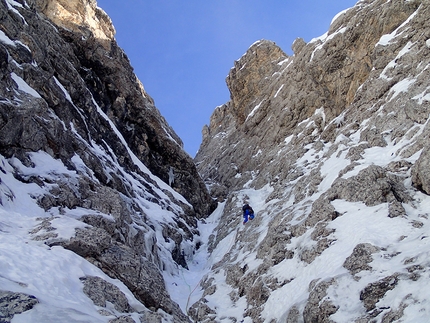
x=101 y=292
x=325 y=73
x=330 y=147
x=14 y=303
x=82 y=17
x=360 y=258
x=420 y=174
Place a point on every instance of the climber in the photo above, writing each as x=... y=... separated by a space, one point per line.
x=248 y=213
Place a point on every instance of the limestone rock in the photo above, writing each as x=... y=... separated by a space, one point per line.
x=420 y=173
x=317 y=309
x=246 y=80
x=122 y=319
x=373 y=185
x=100 y=292
x=298 y=45
x=77 y=16
x=360 y=258
x=329 y=145
x=68 y=93
x=14 y=303
x=374 y=291
x=88 y=242
x=151 y=317
x=201 y=313
x=317 y=141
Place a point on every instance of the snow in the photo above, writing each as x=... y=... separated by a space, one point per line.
x=5 y=39
x=23 y=86
x=259 y=152
x=14 y=3
x=162 y=186
x=52 y=274
x=11 y=4
x=23 y=270
x=81 y=167
x=254 y=110
x=358 y=223
x=170 y=137
x=63 y=89
x=362 y=224
x=284 y=61
x=424 y=96
x=288 y=139
x=279 y=90
x=255 y=43
x=392 y=65
x=338 y=15
x=388 y=38
x=401 y=87
x=321 y=38
x=199 y=264
x=28 y=266
x=331 y=168
x=324 y=39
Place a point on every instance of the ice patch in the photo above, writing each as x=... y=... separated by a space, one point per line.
x=254 y=110
x=23 y=86
x=325 y=38
x=422 y=97
x=5 y=39
x=388 y=38
x=279 y=90
x=401 y=87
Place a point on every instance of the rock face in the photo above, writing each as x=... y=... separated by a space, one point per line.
x=96 y=74
x=77 y=123
x=14 y=303
x=101 y=292
x=326 y=145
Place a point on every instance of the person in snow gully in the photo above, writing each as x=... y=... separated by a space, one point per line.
x=248 y=213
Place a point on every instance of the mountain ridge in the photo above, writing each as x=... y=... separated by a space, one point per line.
x=93 y=167
x=334 y=132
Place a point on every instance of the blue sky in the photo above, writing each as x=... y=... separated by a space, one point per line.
x=183 y=50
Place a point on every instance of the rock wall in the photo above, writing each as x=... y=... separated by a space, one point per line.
x=68 y=95
x=274 y=93
x=109 y=76
x=344 y=121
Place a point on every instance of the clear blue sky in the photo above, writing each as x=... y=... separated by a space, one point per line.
x=183 y=50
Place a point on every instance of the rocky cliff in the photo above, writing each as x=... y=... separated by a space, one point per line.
x=82 y=142
x=330 y=147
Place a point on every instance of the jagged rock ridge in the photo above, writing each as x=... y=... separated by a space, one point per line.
x=330 y=147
